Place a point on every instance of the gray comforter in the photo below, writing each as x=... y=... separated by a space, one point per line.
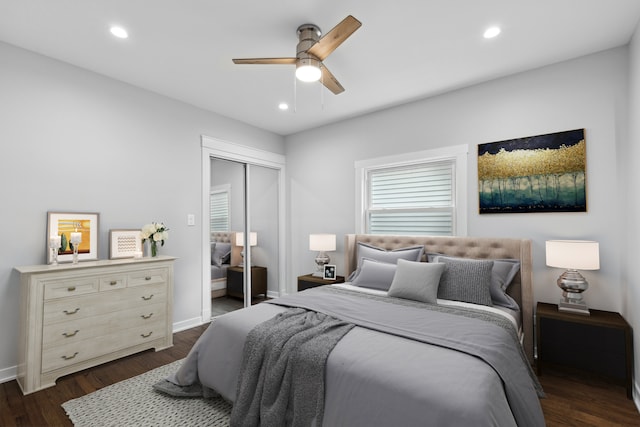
x=404 y=364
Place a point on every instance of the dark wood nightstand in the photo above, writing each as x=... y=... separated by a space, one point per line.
x=601 y=343
x=235 y=280
x=310 y=281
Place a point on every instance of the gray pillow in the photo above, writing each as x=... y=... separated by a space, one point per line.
x=412 y=253
x=374 y=274
x=416 y=281
x=502 y=274
x=213 y=250
x=221 y=251
x=466 y=280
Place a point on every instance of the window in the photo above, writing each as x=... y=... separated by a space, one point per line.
x=219 y=208
x=414 y=194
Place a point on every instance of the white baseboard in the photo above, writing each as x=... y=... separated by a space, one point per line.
x=273 y=294
x=8 y=374
x=189 y=323
x=636 y=395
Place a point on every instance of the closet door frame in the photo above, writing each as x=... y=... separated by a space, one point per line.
x=217 y=148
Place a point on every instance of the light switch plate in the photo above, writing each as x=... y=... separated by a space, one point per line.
x=191 y=219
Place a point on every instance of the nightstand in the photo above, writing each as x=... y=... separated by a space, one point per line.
x=235 y=281
x=310 y=281
x=601 y=343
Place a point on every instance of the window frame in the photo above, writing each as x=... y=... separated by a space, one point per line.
x=457 y=154
x=226 y=190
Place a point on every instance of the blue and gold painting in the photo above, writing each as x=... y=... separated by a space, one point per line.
x=542 y=173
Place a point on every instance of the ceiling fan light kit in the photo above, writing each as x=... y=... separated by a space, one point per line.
x=308 y=70
x=312 y=50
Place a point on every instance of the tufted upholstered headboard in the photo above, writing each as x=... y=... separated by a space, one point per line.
x=467 y=247
x=228 y=237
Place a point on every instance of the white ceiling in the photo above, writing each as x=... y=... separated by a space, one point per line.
x=405 y=49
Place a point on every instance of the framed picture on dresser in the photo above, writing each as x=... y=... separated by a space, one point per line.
x=71 y=228
x=125 y=244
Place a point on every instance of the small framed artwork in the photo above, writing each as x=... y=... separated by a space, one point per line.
x=329 y=272
x=125 y=244
x=71 y=228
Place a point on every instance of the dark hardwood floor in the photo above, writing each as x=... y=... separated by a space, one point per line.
x=571 y=400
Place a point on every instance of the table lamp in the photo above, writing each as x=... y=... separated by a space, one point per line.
x=322 y=243
x=573 y=255
x=253 y=241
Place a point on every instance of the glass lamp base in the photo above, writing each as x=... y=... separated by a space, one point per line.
x=321 y=260
x=573 y=307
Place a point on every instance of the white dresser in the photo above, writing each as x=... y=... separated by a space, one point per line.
x=73 y=317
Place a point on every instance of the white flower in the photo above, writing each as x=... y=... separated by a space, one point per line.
x=155 y=231
x=147 y=231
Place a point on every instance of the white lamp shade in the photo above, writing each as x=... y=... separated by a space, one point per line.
x=322 y=242
x=253 y=238
x=573 y=254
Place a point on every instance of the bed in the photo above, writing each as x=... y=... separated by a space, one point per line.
x=387 y=357
x=224 y=253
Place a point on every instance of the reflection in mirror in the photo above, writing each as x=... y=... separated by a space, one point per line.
x=226 y=215
x=263 y=220
x=228 y=211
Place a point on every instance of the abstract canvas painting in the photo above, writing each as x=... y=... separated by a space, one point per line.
x=542 y=173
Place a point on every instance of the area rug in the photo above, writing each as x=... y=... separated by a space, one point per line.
x=134 y=402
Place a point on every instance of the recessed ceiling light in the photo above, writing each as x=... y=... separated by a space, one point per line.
x=119 y=32
x=491 y=32
x=283 y=106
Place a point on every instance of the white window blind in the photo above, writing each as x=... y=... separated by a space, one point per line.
x=219 y=210
x=412 y=199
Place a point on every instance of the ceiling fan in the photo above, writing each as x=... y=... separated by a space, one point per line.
x=312 y=50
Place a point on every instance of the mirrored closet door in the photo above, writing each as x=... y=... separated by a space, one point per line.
x=244 y=231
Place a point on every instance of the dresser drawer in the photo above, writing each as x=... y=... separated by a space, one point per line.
x=147 y=277
x=109 y=283
x=72 y=353
x=70 y=288
x=71 y=309
x=72 y=331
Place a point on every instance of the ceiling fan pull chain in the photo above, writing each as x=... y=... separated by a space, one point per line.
x=321 y=86
x=295 y=94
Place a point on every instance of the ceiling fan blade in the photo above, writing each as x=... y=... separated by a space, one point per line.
x=334 y=38
x=330 y=82
x=265 y=61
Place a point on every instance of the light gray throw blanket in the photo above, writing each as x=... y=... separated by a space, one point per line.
x=282 y=376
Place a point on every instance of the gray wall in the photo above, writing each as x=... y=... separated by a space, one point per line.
x=630 y=210
x=589 y=93
x=138 y=160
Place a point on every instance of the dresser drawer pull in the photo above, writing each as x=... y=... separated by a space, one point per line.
x=147 y=278
x=67 y=312
x=71 y=288
x=146 y=335
x=70 y=334
x=70 y=357
x=147 y=316
x=147 y=298
x=113 y=283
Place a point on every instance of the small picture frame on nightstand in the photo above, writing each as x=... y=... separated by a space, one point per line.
x=329 y=272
